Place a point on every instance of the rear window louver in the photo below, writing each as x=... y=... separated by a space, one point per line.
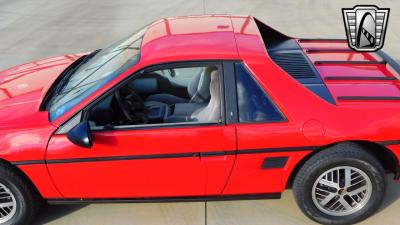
x=288 y=55
x=294 y=64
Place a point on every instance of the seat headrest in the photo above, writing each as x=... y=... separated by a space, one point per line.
x=211 y=112
x=201 y=85
x=214 y=84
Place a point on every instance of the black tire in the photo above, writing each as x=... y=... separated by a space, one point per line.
x=343 y=154
x=28 y=201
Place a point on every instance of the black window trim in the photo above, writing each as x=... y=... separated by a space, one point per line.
x=231 y=106
x=155 y=126
x=177 y=64
x=284 y=118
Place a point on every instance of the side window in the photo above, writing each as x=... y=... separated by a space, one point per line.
x=174 y=95
x=181 y=76
x=253 y=103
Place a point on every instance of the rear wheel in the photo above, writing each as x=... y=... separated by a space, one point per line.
x=341 y=185
x=8 y=204
x=19 y=202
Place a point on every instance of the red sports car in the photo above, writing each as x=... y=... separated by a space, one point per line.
x=202 y=108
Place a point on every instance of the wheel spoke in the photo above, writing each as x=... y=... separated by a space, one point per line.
x=358 y=190
x=329 y=184
x=7 y=204
x=354 y=200
x=344 y=203
x=356 y=177
x=334 y=205
x=323 y=191
x=328 y=199
x=347 y=177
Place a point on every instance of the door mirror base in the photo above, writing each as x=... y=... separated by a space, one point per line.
x=81 y=135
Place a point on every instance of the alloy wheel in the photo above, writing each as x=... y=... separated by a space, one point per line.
x=342 y=191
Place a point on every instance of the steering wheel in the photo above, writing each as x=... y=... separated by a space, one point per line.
x=132 y=105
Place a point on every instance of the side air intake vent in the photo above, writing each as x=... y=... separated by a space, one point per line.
x=294 y=63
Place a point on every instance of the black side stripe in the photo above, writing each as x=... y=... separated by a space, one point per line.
x=161 y=156
x=119 y=158
x=180 y=155
x=28 y=162
x=222 y=153
x=274 y=150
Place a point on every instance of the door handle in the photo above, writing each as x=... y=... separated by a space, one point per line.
x=213 y=156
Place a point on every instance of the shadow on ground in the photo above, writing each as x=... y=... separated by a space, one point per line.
x=392 y=193
x=50 y=213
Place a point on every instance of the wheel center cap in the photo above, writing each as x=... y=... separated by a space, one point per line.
x=342 y=191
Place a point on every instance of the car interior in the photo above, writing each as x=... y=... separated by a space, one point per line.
x=175 y=95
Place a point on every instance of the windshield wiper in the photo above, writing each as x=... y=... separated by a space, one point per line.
x=63 y=78
x=69 y=71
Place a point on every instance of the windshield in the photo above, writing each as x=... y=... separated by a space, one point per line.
x=95 y=73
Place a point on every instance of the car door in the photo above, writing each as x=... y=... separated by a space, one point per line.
x=269 y=144
x=166 y=160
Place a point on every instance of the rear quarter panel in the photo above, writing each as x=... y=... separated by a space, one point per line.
x=312 y=123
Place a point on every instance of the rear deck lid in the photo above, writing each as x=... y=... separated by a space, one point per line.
x=353 y=76
x=333 y=71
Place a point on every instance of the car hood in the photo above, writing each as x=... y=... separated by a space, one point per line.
x=23 y=87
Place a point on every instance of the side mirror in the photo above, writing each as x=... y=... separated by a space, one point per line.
x=81 y=135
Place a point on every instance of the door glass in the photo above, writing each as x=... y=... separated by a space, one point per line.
x=181 y=76
x=168 y=96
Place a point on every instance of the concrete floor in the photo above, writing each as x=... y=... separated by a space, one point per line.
x=256 y=212
x=32 y=30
